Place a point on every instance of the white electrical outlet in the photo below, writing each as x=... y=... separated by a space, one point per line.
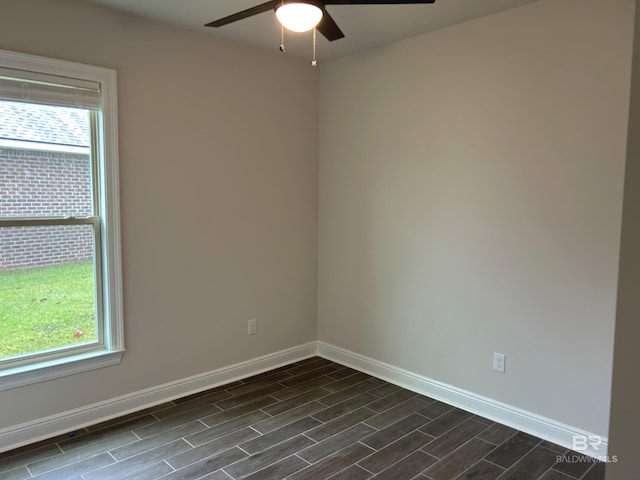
x=499 y=361
x=252 y=326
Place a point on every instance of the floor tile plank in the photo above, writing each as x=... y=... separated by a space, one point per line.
x=457 y=462
x=239 y=411
x=248 y=396
x=304 y=387
x=19 y=473
x=435 y=409
x=219 y=475
x=141 y=465
x=309 y=375
x=95 y=446
x=266 y=457
x=77 y=468
x=193 y=455
x=347 y=382
x=399 y=411
x=335 y=443
x=395 y=451
x=289 y=416
x=393 y=432
x=597 y=472
x=446 y=422
x=211 y=433
x=279 y=470
x=339 y=424
x=408 y=467
x=389 y=401
x=316 y=394
x=333 y=464
x=532 y=465
x=574 y=464
x=339 y=409
x=448 y=442
x=513 y=449
x=482 y=470
x=349 y=392
x=354 y=472
x=24 y=456
x=145 y=444
x=276 y=436
x=198 y=402
x=207 y=466
x=555 y=475
x=497 y=434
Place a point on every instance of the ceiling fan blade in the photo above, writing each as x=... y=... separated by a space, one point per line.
x=249 y=12
x=374 y=2
x=329 y=28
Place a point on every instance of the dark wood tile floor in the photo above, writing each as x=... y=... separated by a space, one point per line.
x=313 y=419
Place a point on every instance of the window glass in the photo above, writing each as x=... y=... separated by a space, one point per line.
x=48 y=172
x=47 y=293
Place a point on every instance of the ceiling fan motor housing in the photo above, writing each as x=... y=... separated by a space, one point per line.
x=315 y=3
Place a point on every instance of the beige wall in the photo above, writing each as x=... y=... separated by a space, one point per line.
x=625 y=398
x=470 y=202
x=218 y=177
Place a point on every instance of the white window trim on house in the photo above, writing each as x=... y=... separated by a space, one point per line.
x=111 y=265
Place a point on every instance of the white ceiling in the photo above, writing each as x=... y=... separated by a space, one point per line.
x=364 y=26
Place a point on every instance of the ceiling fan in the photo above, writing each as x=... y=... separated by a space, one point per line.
x=310 y=14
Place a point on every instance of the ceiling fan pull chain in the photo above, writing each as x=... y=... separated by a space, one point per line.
x=314 y=62
x=282 y=48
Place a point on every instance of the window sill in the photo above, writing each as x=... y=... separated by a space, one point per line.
x=61 y=367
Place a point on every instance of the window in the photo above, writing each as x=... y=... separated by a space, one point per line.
x=60 y=274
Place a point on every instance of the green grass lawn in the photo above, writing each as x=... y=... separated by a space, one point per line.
x=45 y=308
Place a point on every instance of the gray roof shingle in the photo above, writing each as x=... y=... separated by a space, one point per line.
x=44 y=124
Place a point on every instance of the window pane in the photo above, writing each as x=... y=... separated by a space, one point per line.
x=47 y=288
x=45 y=166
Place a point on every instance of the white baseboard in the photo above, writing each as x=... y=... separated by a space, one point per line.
x=69 y=421
x=537 y=425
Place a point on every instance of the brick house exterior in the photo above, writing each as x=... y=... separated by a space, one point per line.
x=44 y=171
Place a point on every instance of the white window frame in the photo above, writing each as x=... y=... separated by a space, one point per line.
x=110 y=269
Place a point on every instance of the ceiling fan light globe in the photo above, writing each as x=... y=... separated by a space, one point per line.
x=299 y=17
